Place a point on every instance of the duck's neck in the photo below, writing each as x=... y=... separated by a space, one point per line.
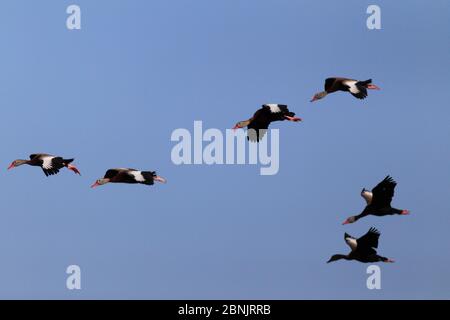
x=339 y=257
x=362 y=215
x=20 y=162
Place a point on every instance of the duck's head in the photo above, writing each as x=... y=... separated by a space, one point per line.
x=17 y=163
x=241 y=124
x=351 y=219
x=318 y=96
x=100 y=182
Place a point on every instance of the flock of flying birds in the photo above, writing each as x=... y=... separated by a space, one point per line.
x=378 y=200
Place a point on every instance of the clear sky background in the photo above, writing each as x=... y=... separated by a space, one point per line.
x=111 y=94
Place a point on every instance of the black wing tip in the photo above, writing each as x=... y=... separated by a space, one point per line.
x=359 y=95
x=389 y=179
x=50 y=172
x=374 y=231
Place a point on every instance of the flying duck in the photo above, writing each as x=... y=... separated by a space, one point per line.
x=125 y=175
x=49 y=164
x=357 y=88
x=259 y=123
x=378 y=201
x=362 y=249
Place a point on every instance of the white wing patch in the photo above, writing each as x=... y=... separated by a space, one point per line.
x=352 y=86
x=47 y=162
x=367 y=195
x=351 y=243
x=274 y=108
x=137 y=176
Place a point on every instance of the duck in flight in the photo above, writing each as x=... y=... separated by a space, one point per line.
x=125 y=175
x=259 y=123
x=379 y=201
x=48 y=163
x=356 y=88
x=362 y=249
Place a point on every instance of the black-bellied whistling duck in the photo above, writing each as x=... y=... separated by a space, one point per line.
x=49 y=164
x=357 y=88
x=125 y=175
x=263 y=117
x=362 y=248
x=379 y=201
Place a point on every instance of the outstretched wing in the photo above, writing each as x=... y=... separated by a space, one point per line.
x=51 y=165
x=356 y=88
x=50 y=172
x=369 y=241
x=360 y=92
x=383 y=193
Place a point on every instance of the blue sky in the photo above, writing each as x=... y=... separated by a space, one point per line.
x=111 y=94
